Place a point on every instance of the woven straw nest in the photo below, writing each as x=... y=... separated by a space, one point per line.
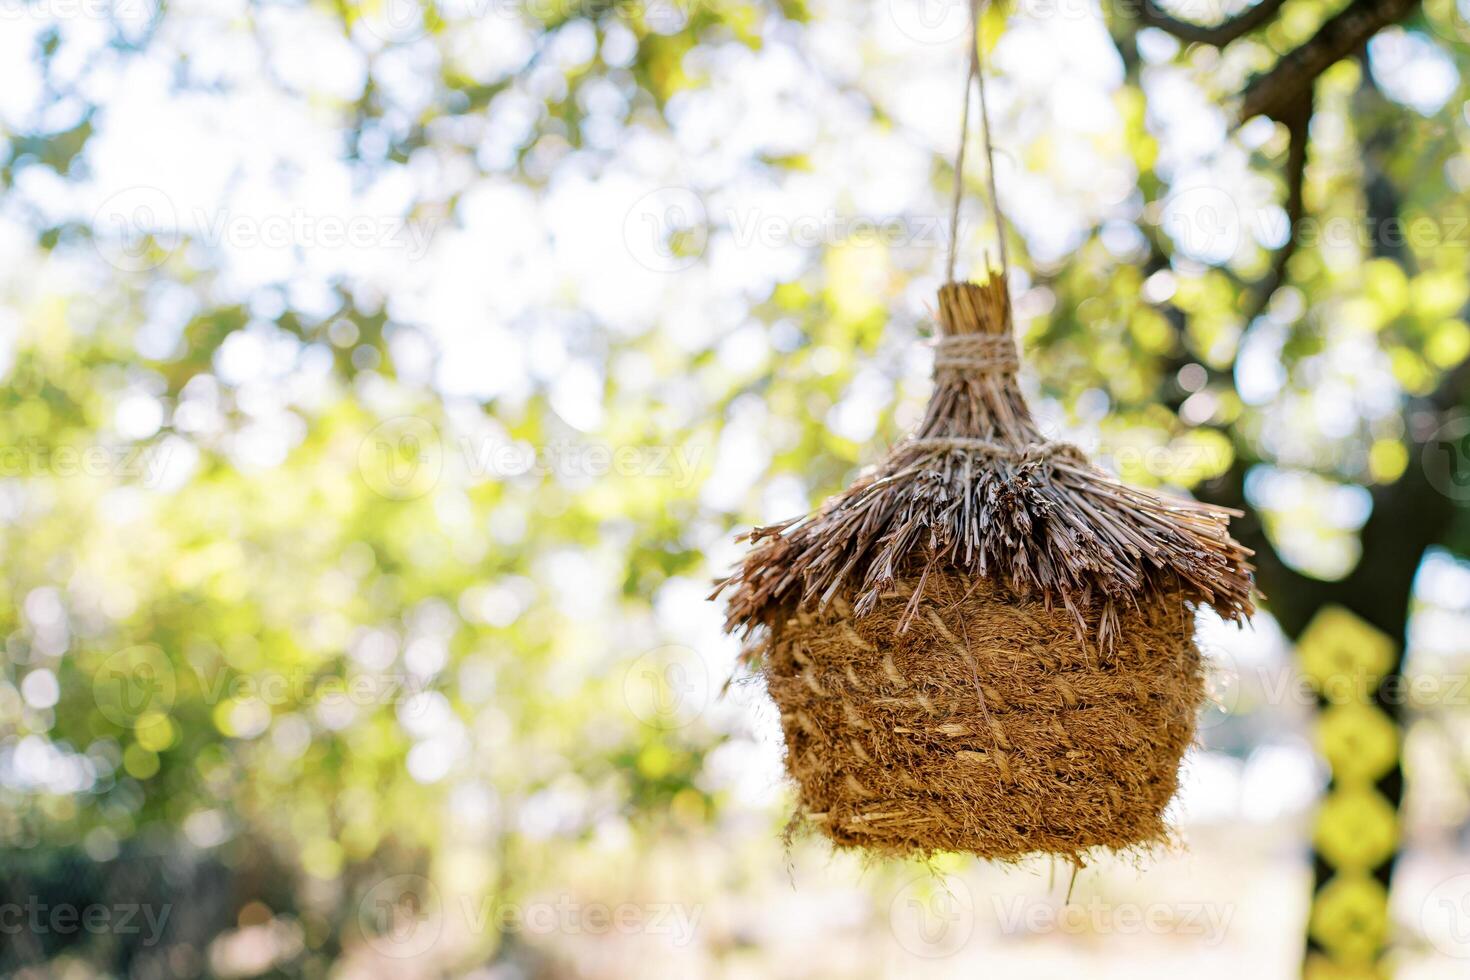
x=986 y=644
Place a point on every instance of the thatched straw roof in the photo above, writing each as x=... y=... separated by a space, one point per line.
x=977 y=489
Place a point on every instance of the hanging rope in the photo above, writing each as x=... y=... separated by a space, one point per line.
x=975 y=74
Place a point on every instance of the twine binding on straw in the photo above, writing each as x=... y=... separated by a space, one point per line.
x=1035 y=452
x=976 y=352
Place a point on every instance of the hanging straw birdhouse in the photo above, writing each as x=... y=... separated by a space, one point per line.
x=986 y=643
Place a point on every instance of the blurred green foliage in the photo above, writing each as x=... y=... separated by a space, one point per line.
x=317 y=658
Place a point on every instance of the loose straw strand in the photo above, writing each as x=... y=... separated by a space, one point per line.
x=976 y=74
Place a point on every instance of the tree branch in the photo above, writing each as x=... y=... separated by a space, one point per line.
x=1215 y=35
x=1280 y=92
x=1296 y=172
